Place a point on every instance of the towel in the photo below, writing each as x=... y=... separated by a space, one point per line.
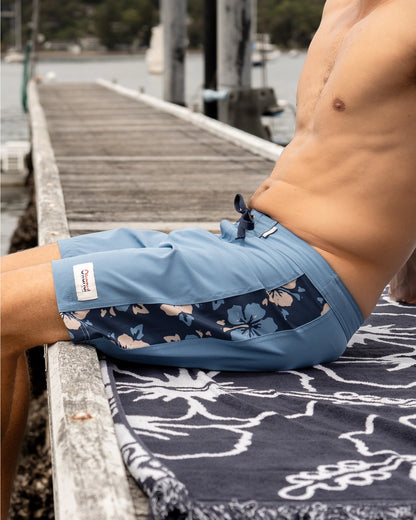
x=334 y=441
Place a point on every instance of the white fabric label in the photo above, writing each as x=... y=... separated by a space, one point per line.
x=85 y=282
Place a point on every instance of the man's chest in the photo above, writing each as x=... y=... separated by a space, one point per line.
x=360 y=63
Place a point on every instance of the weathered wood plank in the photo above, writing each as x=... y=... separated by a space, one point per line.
x=142 y=177
x=89 y=477
x=88 y=473
x=166 y=227
x=52 y=223
x=151 y=158
x=242 y=139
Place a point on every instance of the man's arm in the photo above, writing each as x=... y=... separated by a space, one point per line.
x=403 y=285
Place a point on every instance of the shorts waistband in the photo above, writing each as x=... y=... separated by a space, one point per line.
x=315 y=267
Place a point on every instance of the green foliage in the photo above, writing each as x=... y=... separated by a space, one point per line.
x=127 y=23
x=291 y=23
x=302 y=19
x=195 y=23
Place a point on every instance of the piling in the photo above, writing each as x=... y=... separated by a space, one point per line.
x=173 y=20
x=210 y=55
x=243 y=106
x=234 y=45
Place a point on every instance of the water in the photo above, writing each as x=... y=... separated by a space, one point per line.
x=130 y=71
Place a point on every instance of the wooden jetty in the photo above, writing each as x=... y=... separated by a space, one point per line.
x=106 y=157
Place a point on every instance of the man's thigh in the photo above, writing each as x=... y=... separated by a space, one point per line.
x=30 y=257
x=112 y=240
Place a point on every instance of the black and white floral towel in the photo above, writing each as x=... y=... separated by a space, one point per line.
x=335 y=441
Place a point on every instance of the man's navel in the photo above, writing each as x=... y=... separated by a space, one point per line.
x=338 y=105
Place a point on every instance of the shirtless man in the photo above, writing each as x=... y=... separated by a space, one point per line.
x=347 y=182
x=342 y=195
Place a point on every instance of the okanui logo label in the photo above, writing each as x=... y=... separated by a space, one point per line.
x=85 y=282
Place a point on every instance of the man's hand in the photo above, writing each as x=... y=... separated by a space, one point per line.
x=403 y=285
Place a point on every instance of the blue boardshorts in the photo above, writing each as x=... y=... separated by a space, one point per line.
x=254 y=298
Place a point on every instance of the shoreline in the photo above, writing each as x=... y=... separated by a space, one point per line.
x=44 y=55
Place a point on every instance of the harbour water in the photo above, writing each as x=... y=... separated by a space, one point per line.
x=131 y=71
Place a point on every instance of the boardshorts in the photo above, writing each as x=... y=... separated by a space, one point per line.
x=254 y=298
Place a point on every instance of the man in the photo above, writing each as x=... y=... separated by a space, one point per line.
x=326 y=232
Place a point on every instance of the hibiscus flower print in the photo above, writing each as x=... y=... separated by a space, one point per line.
x=281 y=298
x=285 y=296
x=133 y=341
x=139 y=308
x=249 y=322
x=183 y=312
x=74 y=320
x=234 y=318
x=77 y=324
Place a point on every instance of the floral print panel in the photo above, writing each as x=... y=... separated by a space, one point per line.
x=234 y=318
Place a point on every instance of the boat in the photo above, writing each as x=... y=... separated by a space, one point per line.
x=263 y=50
x=155 y=53
x=13 y=56
x=13 y=162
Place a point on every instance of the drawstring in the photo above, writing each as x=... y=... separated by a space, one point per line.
x=246 y=220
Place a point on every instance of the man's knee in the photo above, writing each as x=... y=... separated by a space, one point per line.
x=30 y=314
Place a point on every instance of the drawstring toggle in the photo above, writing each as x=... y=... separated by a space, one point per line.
x=246 y=220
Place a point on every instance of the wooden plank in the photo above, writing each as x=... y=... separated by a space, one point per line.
x=90 y=481
x=52 y=224
x=152 y=158
x=249 y=142
x=88 y=473
x=165 y=227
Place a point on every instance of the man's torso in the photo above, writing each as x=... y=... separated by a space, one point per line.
x=347 y=182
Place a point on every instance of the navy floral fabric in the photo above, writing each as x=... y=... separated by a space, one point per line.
x=234 y=319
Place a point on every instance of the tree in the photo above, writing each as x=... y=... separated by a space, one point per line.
x=292 y=23
x=108 y=23
x=195 y=23
x=122 y=23
x=125 y=21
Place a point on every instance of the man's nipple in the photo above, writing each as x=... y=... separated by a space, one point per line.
x=338 y=105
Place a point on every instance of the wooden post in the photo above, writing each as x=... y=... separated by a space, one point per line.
x=173 y=20
x=18 y=25
x=243 y=105
x=210 y=54
x=234 y=44
x=253 y=21
x=35 y=26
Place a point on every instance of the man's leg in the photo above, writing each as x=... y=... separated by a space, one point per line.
x=11 y=442
x=30 y=317
x=30 y=257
